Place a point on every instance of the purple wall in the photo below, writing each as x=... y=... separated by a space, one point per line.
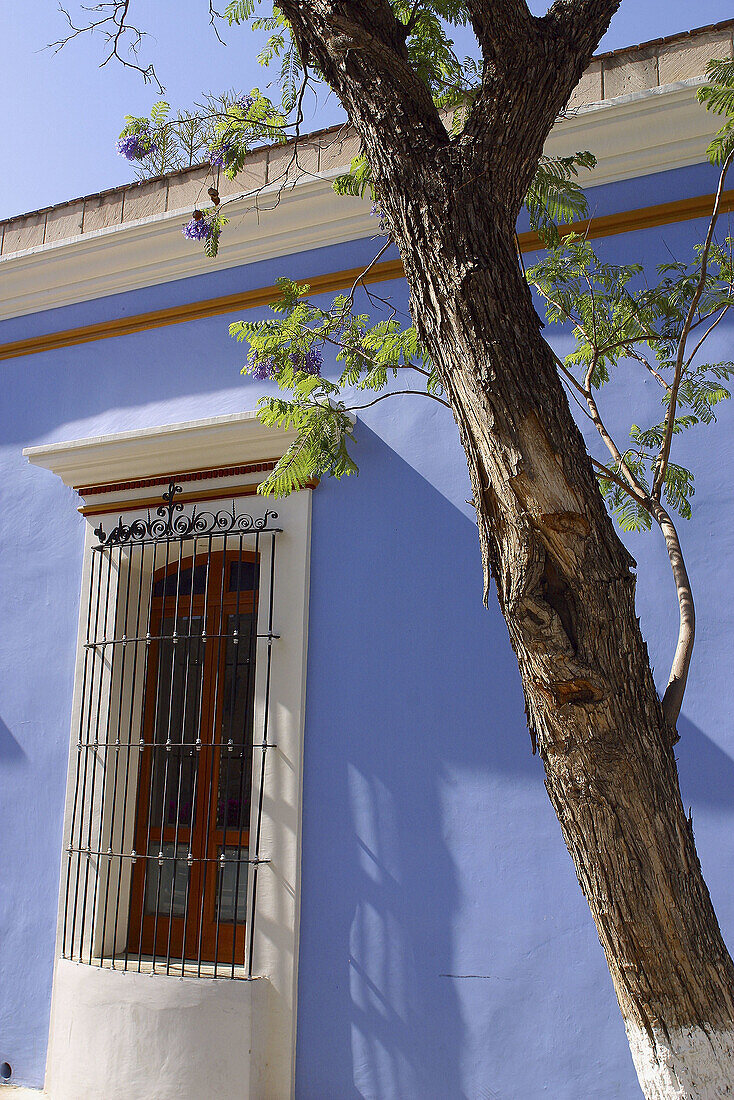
x=446 y=950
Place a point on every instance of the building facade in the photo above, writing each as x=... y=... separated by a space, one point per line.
x=271 y=822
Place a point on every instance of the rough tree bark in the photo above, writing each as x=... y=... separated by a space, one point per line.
x=564 y=580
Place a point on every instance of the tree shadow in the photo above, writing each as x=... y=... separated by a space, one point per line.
x=400 y=670
x=706 y=771
x=11 y=751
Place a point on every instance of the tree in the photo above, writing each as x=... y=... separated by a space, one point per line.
x=450 y=199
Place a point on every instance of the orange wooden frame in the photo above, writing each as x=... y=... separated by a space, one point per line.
x=197 y=936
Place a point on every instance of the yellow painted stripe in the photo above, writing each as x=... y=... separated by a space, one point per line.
x=611 y=224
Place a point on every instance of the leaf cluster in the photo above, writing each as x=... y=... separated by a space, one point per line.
x=218 y=129
x=368 y=356
x=617 y=317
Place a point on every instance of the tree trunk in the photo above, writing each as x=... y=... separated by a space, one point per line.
x=564 y=579
x=566 y=589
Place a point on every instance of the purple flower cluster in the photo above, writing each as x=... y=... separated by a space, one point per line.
x=136 y=146
x=379 y=213
x=244 y=102
x=310 y=363
x=220 y=155
x=198 y=229
x=263 y=369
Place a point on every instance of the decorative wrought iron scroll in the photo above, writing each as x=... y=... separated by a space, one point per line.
x=169 y=522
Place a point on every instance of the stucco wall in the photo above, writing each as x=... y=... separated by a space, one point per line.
x=446 y=950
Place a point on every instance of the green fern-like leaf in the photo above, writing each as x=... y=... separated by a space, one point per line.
x=239 y=11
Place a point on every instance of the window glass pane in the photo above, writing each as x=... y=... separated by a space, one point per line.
x=177 y=701
x=180 y=580
x=235 y=761
x=232 y=885
x=174 y=877
x=243 y=576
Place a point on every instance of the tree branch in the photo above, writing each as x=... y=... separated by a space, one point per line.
x=580 y=24
x=499 y=26
x=399 y=393
x=114 y=25
x=661 y=464
x=673 y=697
x=361 y=50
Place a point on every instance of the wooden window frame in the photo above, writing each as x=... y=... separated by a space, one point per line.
x=198 y=935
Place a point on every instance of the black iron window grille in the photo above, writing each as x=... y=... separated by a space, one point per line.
x=163 y=844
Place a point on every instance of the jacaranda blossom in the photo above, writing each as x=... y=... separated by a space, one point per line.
x=244 y=102
x=220 y=155
x=262 y=369
x=379 y=213
x=198 y=229
x=310 y=363
x=313 y=361
x=136 y=146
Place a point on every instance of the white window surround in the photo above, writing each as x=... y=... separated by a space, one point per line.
x=124 y=1034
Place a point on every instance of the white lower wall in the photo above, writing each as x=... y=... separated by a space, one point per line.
x=130 y=1036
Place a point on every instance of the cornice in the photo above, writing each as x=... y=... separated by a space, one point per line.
x=133 y=460
x=634 y=135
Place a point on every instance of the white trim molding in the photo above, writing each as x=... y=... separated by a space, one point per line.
x=633 y=135
x=637 y=134
x=195 y=445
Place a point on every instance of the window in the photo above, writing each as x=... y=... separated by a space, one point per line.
x=164 y=840
x=136 y=850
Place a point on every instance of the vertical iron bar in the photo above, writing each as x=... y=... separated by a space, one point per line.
x=263 y=752
x=95 y=759
x=161 y=857
x=213 y=715
x=198 y=750
x=141 y=748
x=121 y=662
x=88 y=658
x=154 y=739
x=249 y=714
x=187 y=658
x=232 y=698
x=128 y=746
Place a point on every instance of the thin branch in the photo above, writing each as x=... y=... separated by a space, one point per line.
x=412 y=18
x=567 y=373
x=648 y=367
x=674 y=692
x=114 y=14
x=708 y=331
x=399 y=393
x=370 y=265
x=661 y=463
x=635 y=489
x=215 y=15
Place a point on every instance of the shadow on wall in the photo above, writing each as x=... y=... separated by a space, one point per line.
x=402 y=660
x=11 y=751
x=706 y=772
x=414 y=708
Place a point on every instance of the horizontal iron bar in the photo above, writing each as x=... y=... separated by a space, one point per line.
x=109 y=854
x=173 y=744
x=192 y=968
x=175 y=638
x=191 y=537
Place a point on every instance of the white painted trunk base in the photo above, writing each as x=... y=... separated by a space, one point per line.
x=692 y=1064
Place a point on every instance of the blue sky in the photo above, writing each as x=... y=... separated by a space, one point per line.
x=63 y=113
